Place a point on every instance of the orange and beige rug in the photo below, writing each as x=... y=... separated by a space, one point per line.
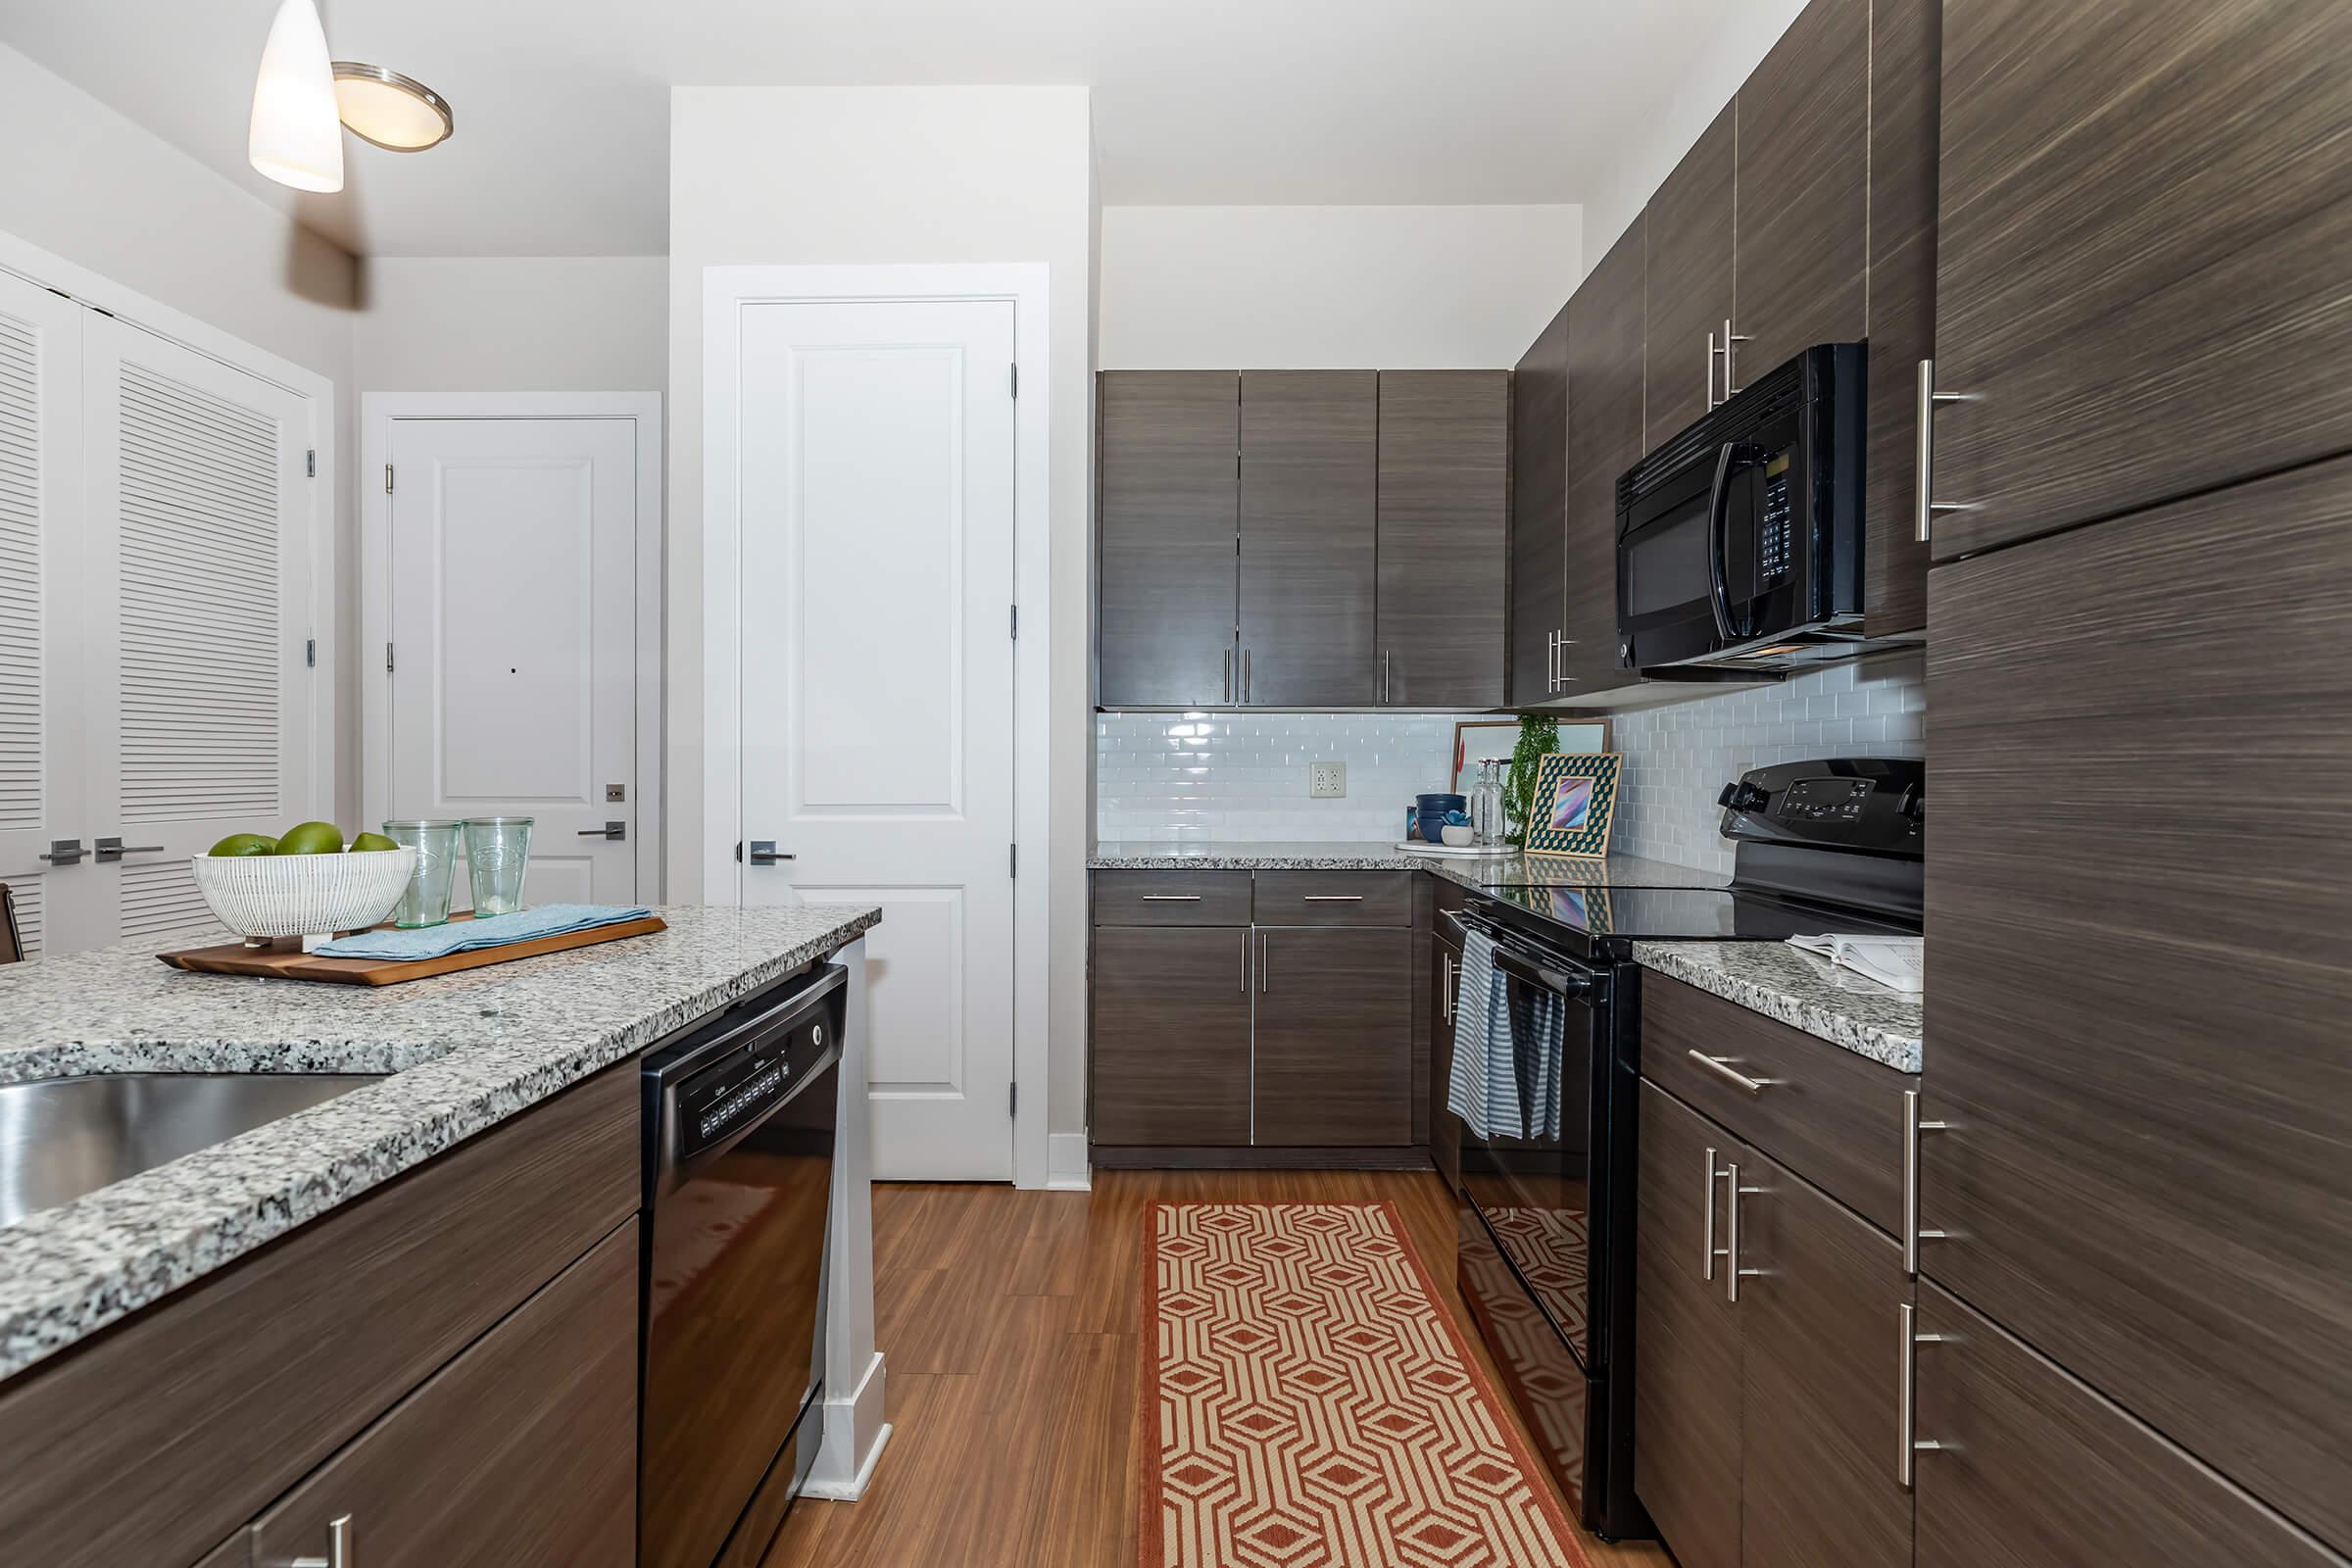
x=1307 y=1403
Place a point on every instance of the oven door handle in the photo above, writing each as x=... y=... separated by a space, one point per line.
x=1512 y=961
x=1730 y=458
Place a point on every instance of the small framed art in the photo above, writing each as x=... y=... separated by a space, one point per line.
x=1575 y=799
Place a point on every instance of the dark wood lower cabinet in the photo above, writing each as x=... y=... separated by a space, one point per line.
x=1822 y=1340
x=2038 y=1471
x=1333 y=1059
x=521 y=1450
x=1172 y=1035
x=1687 y=1334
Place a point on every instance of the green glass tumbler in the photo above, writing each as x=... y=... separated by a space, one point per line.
x=426 y=900
x=498 y=852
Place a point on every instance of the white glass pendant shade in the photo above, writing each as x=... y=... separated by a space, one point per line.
x=296 y=136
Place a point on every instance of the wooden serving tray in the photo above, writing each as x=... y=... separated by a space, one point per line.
x=291 y=964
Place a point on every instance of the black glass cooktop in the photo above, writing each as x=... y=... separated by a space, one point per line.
x=1690 y=915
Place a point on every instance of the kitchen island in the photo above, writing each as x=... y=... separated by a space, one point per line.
x=223 y=1322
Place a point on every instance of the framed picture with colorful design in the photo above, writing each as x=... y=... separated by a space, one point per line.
x=1575 y=798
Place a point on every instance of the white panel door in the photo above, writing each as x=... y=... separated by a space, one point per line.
x=41 y=798
x=514 y=581
x=196 y=612
x=876 y=575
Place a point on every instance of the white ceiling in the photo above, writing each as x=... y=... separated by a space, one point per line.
x=563 y=106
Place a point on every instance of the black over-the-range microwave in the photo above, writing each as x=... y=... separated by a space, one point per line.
x=1740 y=541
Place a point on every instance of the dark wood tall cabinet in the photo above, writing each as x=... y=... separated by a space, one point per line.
x=2140 y=254
x=2143 y=737
x=1443 y=497
x=1539 y=392
x=1167 y=570
x=1310 y=540
x=1689 y=293
x=1607 y=334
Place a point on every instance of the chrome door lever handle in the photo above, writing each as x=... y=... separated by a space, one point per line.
x=611 y=830
x=764 y=853
x=63 y=852
x=114 y=849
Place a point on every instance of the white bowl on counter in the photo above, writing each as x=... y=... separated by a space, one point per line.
x=264 y=896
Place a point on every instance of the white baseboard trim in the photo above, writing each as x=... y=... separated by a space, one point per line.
x=1066 y=1166
x=855 y=1436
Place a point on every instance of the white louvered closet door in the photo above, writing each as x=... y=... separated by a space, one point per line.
x=199 y=603
x=41 y=798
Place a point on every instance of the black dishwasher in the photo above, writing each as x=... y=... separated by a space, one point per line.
x=739 y=1128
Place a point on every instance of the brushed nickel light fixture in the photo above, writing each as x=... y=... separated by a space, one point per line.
x=385 y=109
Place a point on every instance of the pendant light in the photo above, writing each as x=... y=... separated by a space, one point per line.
x=296 y=136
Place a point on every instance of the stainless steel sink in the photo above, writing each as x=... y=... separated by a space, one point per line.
x=65 y=1137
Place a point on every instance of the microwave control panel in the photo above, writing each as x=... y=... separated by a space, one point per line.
x=1775 y=534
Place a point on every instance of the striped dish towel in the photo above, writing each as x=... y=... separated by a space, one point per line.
x=1483 y=1089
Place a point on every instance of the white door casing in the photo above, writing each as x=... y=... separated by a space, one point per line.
x=513 y=687
x=876 y=584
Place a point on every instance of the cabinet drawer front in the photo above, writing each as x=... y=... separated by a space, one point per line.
x=522 y=1449
x=222 y=1397
x=1830 y=1117
x=1334 y=898
x=2036 y=1468
x=1171 y=897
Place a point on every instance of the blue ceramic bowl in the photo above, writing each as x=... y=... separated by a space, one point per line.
x=1433 y=811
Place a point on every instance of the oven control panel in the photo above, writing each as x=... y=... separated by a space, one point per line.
x=1876 y=805
x=1824 y=799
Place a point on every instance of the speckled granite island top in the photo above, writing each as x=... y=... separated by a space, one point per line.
x=1510 y=870
x=464 y=1051
x=1800 y=990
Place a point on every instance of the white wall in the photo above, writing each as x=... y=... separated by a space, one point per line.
x=527 y=324
x=784 y=175
x=83 y=182
x=1372 y=287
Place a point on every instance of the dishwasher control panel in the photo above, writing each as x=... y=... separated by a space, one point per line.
x=758 y=1071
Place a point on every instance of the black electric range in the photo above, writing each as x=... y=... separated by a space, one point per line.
x=1545 y=1199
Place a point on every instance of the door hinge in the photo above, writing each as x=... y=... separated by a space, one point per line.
x=1016 y=378
x=387 y=658
x=309 y=464
x=1015 y=859
x=1012 y=1105
x=309 y=652
x=387 y=478
x=1016 y=620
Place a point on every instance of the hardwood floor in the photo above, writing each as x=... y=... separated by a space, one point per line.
x=1010 y=1322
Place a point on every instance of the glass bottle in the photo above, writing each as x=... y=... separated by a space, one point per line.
x=1486 y=810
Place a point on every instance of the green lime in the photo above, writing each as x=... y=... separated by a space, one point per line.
x=311 y=838
x=372 y=841
x=244 y=843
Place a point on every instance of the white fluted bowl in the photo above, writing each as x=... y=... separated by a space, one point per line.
x=259 y=896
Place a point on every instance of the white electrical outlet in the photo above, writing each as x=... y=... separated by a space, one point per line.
x=1326 y=780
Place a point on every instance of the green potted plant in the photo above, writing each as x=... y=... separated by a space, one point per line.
x=1538 y=734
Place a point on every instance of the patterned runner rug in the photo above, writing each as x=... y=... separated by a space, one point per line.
x=1306 y=1403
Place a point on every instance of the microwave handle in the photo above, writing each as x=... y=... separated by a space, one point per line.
x=1732 y=456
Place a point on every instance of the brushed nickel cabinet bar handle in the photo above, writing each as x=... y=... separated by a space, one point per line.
x=1245 y=961
x=1331 y=898
x=1383 y=674
x=1912 y=1128
x=1730 y=337
x=1171 y=897
x=1732 y=1271
x=1245 y=674
x=1706 y=1235
x=1906 y=1415
x=1721 y=1067
x=340 y=1553
x=1229 y=672
x=1265 y=963
x=1924 y=459
x=1710 y=370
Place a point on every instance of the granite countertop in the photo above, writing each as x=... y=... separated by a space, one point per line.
x=1509 y=869
x=464 y=1051
x=1802 y=990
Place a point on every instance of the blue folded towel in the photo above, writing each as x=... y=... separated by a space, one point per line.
x=467 y=936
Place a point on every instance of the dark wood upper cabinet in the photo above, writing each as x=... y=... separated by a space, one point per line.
x=1167 y=518
x=1443 y=536
x=1689 y=285
x=1309 y=537
x=1686 y=1337
x=2036 y=1471
x=1333 y=1062
x=522 y=1449
x=1905 y=81
x=1540 y=393
x=1606 y=333
x=2146 y=206
x=1803 y=193
x=2143 y=735
x=1171 y=1036
x=1821 y=1336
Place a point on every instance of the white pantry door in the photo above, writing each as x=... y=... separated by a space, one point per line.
x=876 y=580
x=513 y=660
x=41 y=480
x=194 y=612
